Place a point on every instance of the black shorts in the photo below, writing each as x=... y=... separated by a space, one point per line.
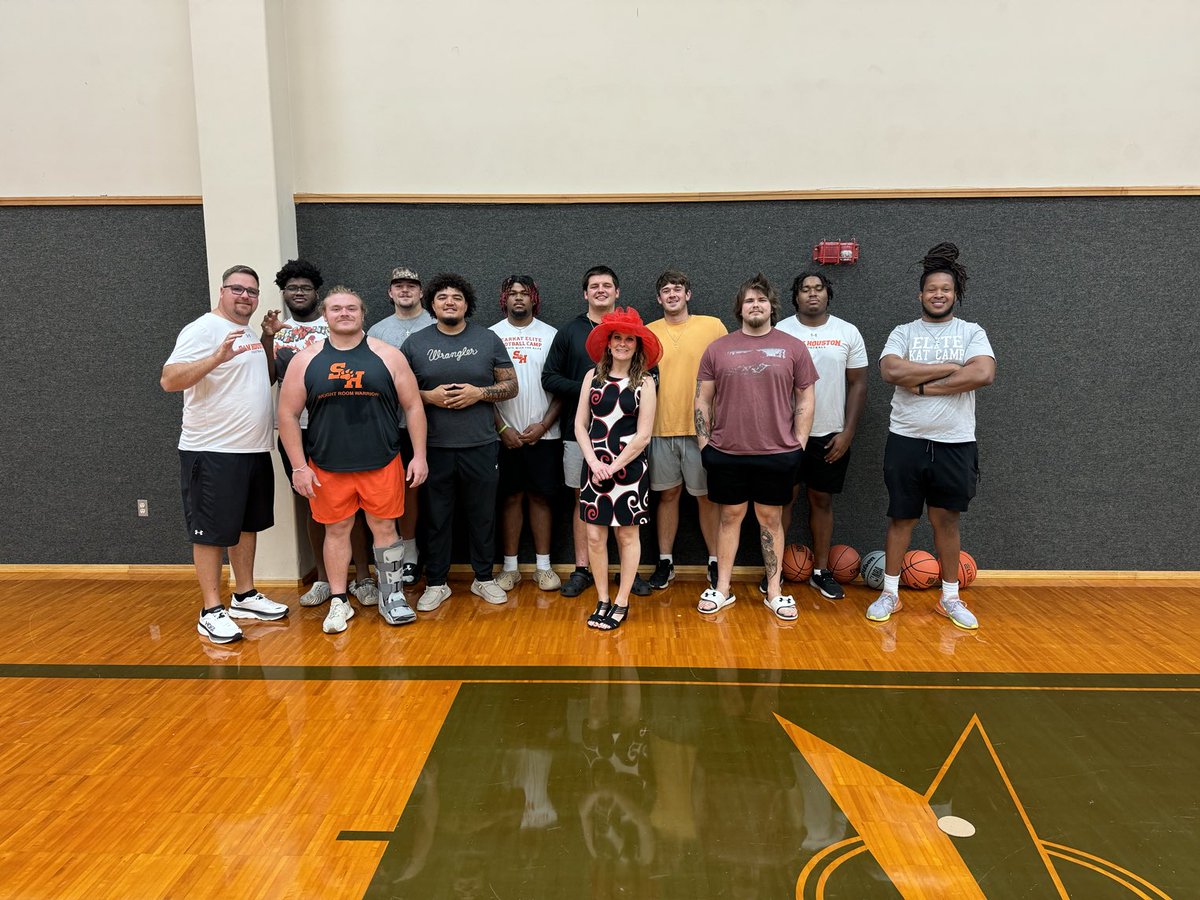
x=765 y=479
x=536 y=468
x=818 y=475
x=225 y=494
x=919 y=472
x=283 y=457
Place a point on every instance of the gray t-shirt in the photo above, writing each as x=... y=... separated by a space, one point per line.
x=469 y=357
x=396 y=331
x=949 y=419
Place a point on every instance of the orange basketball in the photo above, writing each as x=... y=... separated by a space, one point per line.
x=797 y=562
x=920 y=570
x=967 y=570
x=844 y=562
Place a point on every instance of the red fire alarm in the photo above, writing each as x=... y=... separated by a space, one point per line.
x=836 y=252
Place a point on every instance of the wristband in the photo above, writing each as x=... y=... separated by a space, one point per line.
x=921 y=390
x=502 y=428
x=296 y=469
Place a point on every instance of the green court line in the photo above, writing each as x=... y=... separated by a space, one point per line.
x=646 y=674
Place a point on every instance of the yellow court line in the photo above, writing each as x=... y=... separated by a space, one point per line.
x=1106 y=862
x=937 y=779
x=1109 y=875
x=826 y=851
x=845 y=857
x=816 y=684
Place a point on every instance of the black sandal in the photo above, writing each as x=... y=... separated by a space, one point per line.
x=601 y=613
x=617 y=615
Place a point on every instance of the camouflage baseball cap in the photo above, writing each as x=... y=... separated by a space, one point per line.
x=404 y=273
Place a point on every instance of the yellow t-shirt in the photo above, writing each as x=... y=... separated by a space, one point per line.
x=683 y=345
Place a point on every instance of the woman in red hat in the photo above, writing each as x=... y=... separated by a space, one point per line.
x=613 y=424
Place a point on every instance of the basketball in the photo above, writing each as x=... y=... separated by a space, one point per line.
x=920 y=570
x=843 y=563
x=872 y=569
x=797 y=562
x=967 y=570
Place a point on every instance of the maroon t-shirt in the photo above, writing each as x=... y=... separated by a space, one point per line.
x=756 y=380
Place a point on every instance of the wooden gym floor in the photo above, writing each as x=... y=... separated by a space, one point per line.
x=509 y=752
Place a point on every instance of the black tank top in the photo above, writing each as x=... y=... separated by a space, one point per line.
x=353 y=410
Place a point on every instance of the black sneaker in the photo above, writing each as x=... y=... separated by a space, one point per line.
x=712 y=574
x=580 y=581
x=823 y=581
x=410 y=573
x=641 y=587
x=762 y=586
x=663 y=574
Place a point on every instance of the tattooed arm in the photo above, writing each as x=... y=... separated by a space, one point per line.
x=705 y=391
x=504 y=388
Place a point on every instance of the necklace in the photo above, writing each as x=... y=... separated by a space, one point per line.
x=682 y=330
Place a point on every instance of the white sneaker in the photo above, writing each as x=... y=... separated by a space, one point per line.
x=218 y=627
x=340 y=612
x=433 y=597
x=256 y=606
x=366 y=591
x=956 y=611
x=489 y=591
x=317 y=594
x=548 y=580
x=508 y=579
x=881 y=610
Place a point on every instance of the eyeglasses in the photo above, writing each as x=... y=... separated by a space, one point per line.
x=299 y=289
x=238 y=290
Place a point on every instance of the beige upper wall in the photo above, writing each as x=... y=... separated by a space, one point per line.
x=525 y=96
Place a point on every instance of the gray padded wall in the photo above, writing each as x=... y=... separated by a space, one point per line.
x=96 y=296
x=1087 y=435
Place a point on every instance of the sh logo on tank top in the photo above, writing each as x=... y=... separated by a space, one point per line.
x=351 y=379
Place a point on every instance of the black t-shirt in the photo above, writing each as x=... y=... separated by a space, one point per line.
x=469 y=357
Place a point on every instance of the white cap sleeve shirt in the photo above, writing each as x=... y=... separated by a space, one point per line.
x=834 y=347
x=949 y=419
x=229 y=410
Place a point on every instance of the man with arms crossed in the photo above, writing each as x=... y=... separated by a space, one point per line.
x=530 y=445
x=838 y=352
x=754 y=408
x=225 y=451
x=931 y=459
x=566 y=366
x=405 y=294
x=461 y=369
x=352 y=387
x=674 y=452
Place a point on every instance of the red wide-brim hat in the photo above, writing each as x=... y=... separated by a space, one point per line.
x=624 y=320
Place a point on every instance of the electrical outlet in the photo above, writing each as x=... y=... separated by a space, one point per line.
x=143 y=508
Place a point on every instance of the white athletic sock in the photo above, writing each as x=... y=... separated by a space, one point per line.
x=950 y=590
x=411 y=553
x=669 y=557
x=712 y=559
x=891 y=584
x=543 y=561
x=510 y=564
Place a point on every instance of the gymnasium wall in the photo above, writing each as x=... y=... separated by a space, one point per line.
x=583 y=96
x=1087 y=436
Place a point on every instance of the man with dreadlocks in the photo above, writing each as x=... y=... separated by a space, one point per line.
x=530 y=443
x=931 y=460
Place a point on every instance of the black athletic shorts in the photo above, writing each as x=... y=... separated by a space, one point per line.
x=287 y=463
x=225 y=494
x=919 y=472
x=818 y=475
x=765 y=479
x=536 y=468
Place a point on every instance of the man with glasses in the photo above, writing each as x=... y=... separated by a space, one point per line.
x=299 y=280
x=404 y=291
x=225 y=451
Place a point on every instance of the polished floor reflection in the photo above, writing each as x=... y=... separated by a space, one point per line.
x=511 y=753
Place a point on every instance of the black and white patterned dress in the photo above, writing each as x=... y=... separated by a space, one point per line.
x=625 y=498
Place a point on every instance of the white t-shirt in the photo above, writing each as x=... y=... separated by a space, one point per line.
x=834 y=347
x=228 y=410
x=949 y=419
x=528 y=348
x=291 y=339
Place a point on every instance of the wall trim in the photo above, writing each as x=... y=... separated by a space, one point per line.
x=1184 y=190
x=986 y=578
